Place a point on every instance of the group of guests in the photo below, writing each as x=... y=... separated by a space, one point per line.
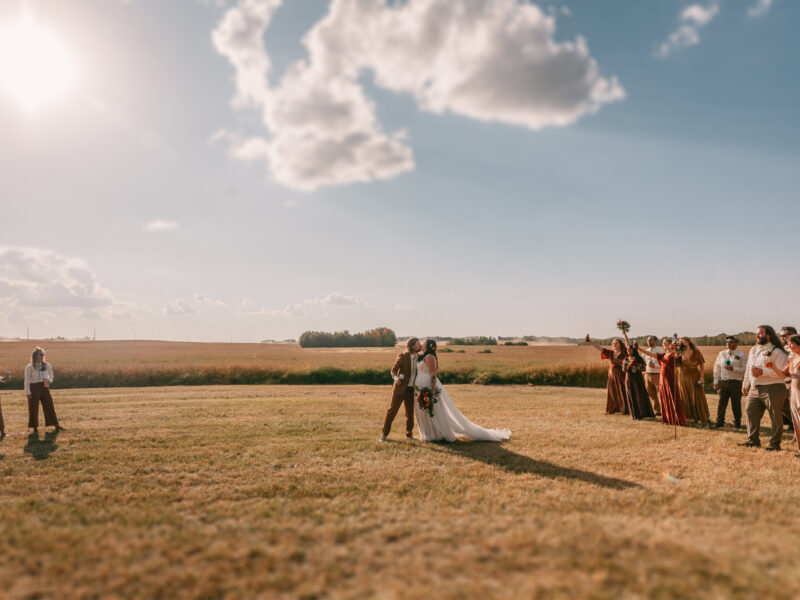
x=668 y=382
x=38 y=377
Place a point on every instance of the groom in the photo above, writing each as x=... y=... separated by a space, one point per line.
x=403 y=372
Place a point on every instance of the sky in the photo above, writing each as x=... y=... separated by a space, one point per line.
x=206 y=170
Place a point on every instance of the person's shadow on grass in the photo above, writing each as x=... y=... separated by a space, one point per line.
x=496 y=455
x=41 y=449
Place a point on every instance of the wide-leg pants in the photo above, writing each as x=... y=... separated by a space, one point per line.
x=39 y=393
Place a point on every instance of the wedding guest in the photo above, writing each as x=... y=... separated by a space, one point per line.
x=652 y=374
x=2 y=423
x=787 y=332
x=793 y=372
x=764 y=387
x=672 y=409
x=729 y=368
x=635 y=390
x=615 y=400
x=38 y=377
x=691 y=366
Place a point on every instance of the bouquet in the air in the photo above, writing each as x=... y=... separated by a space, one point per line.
x=426 y=398
x=623 y=326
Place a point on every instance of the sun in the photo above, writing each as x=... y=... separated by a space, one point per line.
x=35 y=66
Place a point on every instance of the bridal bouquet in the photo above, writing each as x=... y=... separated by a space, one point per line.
x=623 y=326
x=426 y=399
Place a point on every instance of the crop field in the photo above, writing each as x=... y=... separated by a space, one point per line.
x=284 y=492
x=147 y=363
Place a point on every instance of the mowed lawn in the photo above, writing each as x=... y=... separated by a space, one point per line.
x=243 y=492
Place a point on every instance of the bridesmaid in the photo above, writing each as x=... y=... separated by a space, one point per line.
x=635 y=389
x=615 y=401
x=691 y=367
x=38 y=377
x=672 y=410
x=2 y=423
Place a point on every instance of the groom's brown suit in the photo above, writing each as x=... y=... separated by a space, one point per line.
x=402 y=393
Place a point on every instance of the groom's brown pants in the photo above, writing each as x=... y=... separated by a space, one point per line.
x=406 y=398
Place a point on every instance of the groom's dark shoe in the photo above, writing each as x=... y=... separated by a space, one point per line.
x=749 y=444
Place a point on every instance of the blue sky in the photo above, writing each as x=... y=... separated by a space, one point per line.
x=521 y=201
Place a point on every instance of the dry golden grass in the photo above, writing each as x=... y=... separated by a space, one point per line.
x=275 y=491
x=93 y=364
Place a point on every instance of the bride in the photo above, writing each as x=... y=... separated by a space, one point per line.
x=447 y=422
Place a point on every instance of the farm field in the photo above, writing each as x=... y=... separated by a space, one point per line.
x=283 y=491
x=92 y=364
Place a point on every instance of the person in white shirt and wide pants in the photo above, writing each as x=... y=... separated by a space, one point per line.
x=729 y=370
x=764 y=387
x=38 y=377
x=652 y=373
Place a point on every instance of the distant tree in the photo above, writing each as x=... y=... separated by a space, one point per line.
x=474 y=341
x=379 y=337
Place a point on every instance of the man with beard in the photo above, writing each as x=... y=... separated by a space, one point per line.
x=764 y=387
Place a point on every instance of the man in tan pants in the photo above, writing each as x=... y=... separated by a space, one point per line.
x=403 y=371
x=652 y=374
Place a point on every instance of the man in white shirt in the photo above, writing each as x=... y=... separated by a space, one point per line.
x=764 y=387
x=652 y=373
x=729 y=370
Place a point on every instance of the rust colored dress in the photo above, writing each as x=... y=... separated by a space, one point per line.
x=692 y=394
x=615 y=401
x=635 y=390
x=672 y=409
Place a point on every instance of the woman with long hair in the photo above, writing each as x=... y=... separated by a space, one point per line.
x=691 y=370
x=437 y=416
x=672 y=409
x=615 y=398
x=38 y=377
x=792 y=371
x=635 y=389
x=2 y=423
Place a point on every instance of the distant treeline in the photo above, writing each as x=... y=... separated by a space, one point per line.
x=380 y=337
x=473 y=341
x=746 y=338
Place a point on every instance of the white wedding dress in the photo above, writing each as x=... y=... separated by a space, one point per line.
x=447 y=423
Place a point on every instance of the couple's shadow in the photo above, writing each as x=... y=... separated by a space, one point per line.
x=492 y=453
x=41 y=448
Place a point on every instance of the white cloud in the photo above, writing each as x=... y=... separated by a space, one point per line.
x=179 y=307
x=692 y=18
x=159 y=225
x=336 y=299
x=37 y=277
x=403 y=307
x=761 y=7
x=203 y=299
x=246 y=302
x=291 y=311
x=491 y=60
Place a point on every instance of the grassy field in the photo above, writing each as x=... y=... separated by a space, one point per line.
x=147 y=363
x=282 y=491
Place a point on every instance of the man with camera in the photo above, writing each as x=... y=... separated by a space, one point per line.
x=729 y=369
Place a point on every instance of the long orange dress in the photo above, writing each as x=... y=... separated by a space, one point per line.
x=672 y=410
x=615 y=400
x=691 y=393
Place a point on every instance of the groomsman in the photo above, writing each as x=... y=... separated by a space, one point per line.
x=652 y=373
x=764 y=388
x=786 y=333
x=729 y=369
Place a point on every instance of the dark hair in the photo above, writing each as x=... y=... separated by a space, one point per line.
x=649 y=337
x=36 y=351
x=771 y=335
x=430 y=348
x=795 y=339
x=688 y=341
x=621 y=343
x=411 y=343
x=636 y=356
x=789 y=329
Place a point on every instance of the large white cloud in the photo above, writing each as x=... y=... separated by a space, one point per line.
x=492 y=60
x=38 y=277
x=692 y=19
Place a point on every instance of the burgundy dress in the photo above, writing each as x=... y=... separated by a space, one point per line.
x=615 y=401
x=672 y=410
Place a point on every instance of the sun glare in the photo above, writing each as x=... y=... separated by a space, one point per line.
x=35 y=66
